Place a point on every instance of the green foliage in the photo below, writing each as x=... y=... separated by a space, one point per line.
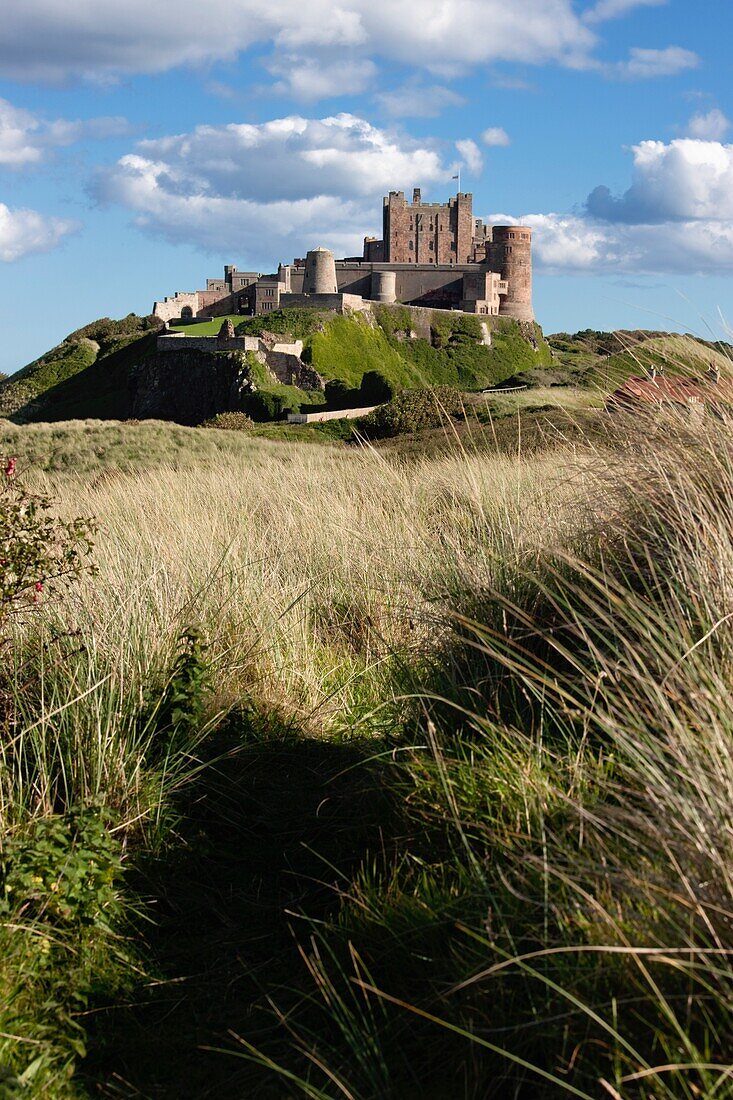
x=36 y=548
x=25 y=393
x=340 y=395
x=105 y=331
x=451 y=329
x=64 y=870
x=179 y=713
x=68 y=359
x=375 y=388
x=230 y=421
x=393 y=320
x=412 y=411
x=348 y=347
x=263 y=405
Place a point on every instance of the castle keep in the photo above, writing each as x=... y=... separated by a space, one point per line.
x=435 y=255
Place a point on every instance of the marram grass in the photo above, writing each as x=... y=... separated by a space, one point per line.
x=533 y=655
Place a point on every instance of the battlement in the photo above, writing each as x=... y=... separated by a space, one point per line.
x=431 y=254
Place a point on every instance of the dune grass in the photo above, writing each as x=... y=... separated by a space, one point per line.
x=414 y=777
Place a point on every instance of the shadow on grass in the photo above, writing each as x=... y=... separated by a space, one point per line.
x=263 y=835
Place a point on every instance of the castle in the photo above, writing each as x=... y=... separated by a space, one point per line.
x=435 y=255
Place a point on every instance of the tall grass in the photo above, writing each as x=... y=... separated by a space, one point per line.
x=566 y=928
x=538 y=649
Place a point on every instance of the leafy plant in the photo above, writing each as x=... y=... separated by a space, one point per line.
x=412 y=410
x=36 y=548
x=64 y=870
x=230 y=421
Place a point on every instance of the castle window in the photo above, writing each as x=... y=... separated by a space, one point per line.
x=412 y=245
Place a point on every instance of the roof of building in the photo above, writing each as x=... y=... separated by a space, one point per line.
x=676 y=391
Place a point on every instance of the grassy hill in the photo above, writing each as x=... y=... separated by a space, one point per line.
x=603 y=360
x=88 y=374
x=47 y=389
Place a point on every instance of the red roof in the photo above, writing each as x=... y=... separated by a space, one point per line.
x=676 y=391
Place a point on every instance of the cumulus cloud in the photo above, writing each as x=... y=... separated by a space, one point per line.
x=684 y=180
x=309 y=79
x=577 y=244
x=712 y=126
x=495 y=135
x=613 y=9
x=26 y=139
x=471 y=155
x=677 y=217
x=26 y=231
x=107 y=39
x=416 y=99
x=268 y=190
x=649 y=64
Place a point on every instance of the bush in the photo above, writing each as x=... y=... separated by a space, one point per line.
x=262 y=405
x=339 y=395
x=35 y=547
x=375 y=388
x=230 y=421
x=412 y=410
x=63 y=871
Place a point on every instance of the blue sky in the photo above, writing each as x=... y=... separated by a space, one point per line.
x=143 y=145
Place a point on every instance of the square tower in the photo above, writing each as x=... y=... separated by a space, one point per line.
x=427 y=233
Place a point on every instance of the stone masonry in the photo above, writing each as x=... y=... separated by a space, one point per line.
x=434 y=255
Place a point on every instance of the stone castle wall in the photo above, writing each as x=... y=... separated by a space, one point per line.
x=427 y=233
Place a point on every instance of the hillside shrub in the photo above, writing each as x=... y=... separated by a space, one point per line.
x=230 y=422
x=375 y=388
x=413 y=410
x=262 y=405
x=339 y=395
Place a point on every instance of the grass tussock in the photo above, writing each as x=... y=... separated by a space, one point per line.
x=430 y=762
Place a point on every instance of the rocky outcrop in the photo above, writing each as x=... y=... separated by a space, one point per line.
x=189 y=386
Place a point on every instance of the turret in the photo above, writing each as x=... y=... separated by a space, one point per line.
x=510 y=253
x=320 y=272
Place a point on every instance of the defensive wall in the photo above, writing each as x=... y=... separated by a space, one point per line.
x=435 y=255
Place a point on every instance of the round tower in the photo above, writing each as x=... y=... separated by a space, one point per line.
x=384 y=286
x=320 y=272
x=511 y=256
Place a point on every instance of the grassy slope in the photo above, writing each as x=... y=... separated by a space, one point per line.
x=92 y=446
x=81 y=379
x=674 y=354
x=64 y=383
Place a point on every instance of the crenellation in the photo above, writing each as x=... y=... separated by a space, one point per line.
x=432 y=254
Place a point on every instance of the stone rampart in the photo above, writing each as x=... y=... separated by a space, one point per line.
x=184 y=342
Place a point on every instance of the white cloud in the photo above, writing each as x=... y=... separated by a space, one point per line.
x=571 y=243
x=683 y=181
x=471 y=155
x=267 y=191
x=61 y=39
x=613 y=9
x=649 y=64
x=309 y=80
x=26 y=139
x=26 y=231
x=415 y=99
x=712 y=126
x=677 y=217
x=495 y=135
